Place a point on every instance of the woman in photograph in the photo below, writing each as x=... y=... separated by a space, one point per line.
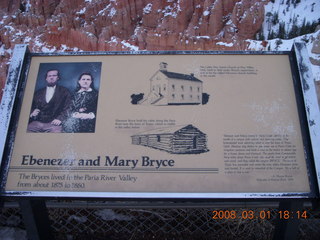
x=82 y=113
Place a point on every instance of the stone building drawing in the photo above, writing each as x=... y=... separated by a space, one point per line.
x=185 y=139
x=171 y=88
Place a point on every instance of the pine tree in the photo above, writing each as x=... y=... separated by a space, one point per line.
x=282 y=31
x=275 y=18
x=303 y=27
x=271 y=35
x=294 y=32
x=314 y=26
x=278 y=43
x=260 y=35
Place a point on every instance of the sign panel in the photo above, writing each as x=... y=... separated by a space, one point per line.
x=159 y=126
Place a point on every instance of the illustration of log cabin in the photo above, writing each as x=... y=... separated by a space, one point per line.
x=185 y=139
x=170 y=88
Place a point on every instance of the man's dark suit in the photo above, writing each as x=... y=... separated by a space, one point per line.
x=56 y=108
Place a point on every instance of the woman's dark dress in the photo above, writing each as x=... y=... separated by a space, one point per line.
x=82 y=102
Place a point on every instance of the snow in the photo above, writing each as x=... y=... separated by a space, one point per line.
x=48 y=50
x=206 y=13
x=311 y=103
x=64 y=47
x=225 y=44
x=202 y=37
x=82 y=11
x=255 y=45
x=244 y=15
x=11 y=233
x=113 y=40
x=112 y=12
x=286 y=45
x=306 y=9
x=130 y=46
x=78 y=219
x=168 y=11
x=147 y=8
x=109 y=214
x=110 y=9
x=4 y=51
x=9 y=28
x=28 y=6
x=27 y=39
x=210 y=8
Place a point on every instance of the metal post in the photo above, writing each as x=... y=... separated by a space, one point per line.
x=15 y=73
x=36 y=219
x=288 y=229
x=6 y=107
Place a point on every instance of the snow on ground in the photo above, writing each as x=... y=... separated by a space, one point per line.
x=225 y=44
x=109 y=214
x=286 y=45
x=129 y=46
x=11 y=233
x=289 y=14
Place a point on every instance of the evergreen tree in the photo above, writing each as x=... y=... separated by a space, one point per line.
x=282 y=31
x=314 y=26
x=275 y=18
x=260 y=35
x=278 y=43
x=271 y=35
x=294 y=32
x=308 y=28
x=288 y=5
x=303 y=27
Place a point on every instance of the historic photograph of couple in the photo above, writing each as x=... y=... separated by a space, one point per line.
x=65 y=98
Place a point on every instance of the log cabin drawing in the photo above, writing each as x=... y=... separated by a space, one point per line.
x=171 y=88
x=185 y=139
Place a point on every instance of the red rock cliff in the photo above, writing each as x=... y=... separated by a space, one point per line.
x=104 y=25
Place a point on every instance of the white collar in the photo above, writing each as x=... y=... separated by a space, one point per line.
x=53 y=87
x=89 y=90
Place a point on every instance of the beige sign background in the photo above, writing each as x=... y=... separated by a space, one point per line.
x=250 y=121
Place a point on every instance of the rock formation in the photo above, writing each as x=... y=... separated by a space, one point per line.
x=117 y=25
x=104 y=25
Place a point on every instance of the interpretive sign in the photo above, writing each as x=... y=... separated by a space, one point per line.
x=160 y=125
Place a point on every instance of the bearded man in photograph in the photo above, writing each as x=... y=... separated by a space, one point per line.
x=50 y=105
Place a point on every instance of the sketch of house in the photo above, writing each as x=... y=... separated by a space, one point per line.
x=185 y=139
x=170 y=88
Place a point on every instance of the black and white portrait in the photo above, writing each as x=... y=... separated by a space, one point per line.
x=65 y=98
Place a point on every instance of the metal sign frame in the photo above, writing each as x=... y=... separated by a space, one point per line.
x=306 y=103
